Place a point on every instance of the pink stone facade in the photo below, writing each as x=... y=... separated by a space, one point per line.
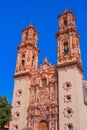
x=49 y=97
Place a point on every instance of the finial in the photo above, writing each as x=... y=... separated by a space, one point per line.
x=30 y=25
x=45 y=60
x=66 y=11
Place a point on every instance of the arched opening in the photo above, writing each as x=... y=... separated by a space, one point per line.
x=44 y=82
x=65 y=22
x=23 y=60
x=43 y=125
x=33 y=58
x=66 y=49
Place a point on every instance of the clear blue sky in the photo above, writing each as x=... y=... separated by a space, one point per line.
x=18 y=14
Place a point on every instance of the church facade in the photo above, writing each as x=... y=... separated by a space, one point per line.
x=50 y=97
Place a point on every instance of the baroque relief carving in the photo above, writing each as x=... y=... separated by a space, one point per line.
x=67 y=98
x=43 y=96
x=69 y=126
x=67 y=86
x=68 y=112
x=43 y=103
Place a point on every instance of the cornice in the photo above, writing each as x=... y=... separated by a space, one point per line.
x=28 y=44
x=65 y=13
x=70 y=64
x=66 y=32
x=22 y=75
x=26 y=29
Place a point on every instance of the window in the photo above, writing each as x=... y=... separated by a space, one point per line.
x=26 y=38
x=23 y=60
x=33 y=60
x=66 y=50
x=86 y=91
x=65 y=22
x=85 y=95
x=44 y=82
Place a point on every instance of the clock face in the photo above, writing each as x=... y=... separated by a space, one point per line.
x=45 y=66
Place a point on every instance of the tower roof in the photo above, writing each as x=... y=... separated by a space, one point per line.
x=65 y=12
x=30 y=26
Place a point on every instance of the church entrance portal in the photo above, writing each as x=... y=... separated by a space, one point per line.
x=43 y=125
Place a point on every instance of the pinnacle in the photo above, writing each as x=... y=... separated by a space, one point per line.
x=45 y=60
x=30 y=25
x=67 y=11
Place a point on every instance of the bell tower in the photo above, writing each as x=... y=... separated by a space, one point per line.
x=28 y=52
x=26 y=64
x=70 y=74
x=68 y=39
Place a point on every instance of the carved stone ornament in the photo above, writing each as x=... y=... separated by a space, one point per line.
x=67 y=86
x=16 y=115
x=69 y=126
x=17 y=104
x=43 y=96
x=19 y=93
x=67 y=98
x=68 y=112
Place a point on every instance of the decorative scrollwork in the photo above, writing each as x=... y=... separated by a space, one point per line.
x=43 y=96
